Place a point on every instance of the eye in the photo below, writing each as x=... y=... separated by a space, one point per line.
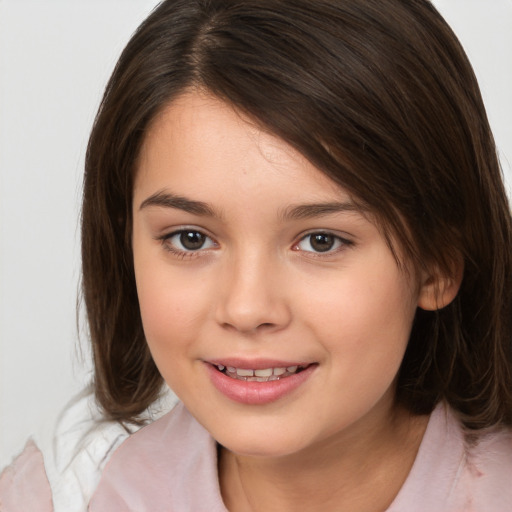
x=187 y=240
x=321 y=242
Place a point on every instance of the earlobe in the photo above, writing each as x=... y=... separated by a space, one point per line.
x=437 y=291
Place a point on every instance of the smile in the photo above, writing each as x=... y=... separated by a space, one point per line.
x=260 y=375
x=258 y=382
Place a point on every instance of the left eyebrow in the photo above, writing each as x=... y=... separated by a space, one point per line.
x=167 y=200
x=307 y=211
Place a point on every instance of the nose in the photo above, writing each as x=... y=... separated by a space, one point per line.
x=252 y=297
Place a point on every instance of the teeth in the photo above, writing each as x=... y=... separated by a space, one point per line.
x=257 y=379
x=241 y=372
x=263 y=373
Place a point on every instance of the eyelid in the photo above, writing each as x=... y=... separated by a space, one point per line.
x=165 y=238
x=343 y=241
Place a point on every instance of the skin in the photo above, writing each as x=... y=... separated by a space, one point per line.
x=258 y=289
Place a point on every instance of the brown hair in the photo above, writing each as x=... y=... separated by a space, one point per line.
x=379 y=95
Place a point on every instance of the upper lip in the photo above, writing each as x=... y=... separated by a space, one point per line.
x=255 y=364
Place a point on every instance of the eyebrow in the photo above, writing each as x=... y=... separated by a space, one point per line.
x=307 y=211
x=297 y=212
x=168 y=200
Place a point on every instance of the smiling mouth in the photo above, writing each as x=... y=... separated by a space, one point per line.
x=261 y=375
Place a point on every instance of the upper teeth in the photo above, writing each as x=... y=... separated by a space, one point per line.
x=266 y=372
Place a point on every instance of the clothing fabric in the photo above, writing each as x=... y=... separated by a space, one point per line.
x=24 y=485
x=74 y=457
x=171 y=465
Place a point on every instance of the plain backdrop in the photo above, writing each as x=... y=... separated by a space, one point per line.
x=55 y=58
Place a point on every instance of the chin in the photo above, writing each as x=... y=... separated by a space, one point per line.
x=260 y=449
x=263 y=443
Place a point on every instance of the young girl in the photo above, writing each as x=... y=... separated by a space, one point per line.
x=294 y=216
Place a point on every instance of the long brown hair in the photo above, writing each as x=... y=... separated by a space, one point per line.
x=379 y=95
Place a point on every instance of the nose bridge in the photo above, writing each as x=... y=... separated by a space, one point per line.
x=251 y=296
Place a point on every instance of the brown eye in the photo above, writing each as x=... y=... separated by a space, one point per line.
x=322 y=242
x=192 y=240
x=187 y=241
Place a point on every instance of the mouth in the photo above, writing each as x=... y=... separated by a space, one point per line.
x=258 y=382
x=260 y=375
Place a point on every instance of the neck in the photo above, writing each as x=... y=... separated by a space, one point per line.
x=358 y=470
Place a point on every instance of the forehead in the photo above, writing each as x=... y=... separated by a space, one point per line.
x=199 y=139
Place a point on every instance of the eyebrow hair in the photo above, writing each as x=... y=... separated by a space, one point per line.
x=306 y=211
x=301 y=211
x=168 y=200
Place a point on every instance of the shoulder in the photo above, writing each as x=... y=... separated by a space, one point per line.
x=458 y=471
x=83 y=443
x=487 y=470
x=63 y=470
x=169 y=464
x=24 y=484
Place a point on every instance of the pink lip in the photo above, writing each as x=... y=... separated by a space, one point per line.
x=256 y=393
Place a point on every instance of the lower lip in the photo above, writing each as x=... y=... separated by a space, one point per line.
x=257 y=393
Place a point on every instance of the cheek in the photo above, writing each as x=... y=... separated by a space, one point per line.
x=379 y=302
x=171 y=324
x=365 y=332
x=164 y=310
x=170 y=306
x=364 y=319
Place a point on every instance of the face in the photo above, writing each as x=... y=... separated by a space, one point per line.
x=272 y=306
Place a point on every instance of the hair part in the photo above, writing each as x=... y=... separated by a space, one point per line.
x=378 y=95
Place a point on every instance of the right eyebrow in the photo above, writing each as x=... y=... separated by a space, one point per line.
x=168 y=200
x=308 y=211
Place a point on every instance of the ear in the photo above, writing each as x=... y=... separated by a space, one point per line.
x=438 y=290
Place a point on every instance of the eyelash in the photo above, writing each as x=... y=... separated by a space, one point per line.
x=185 y=253
x=339 y=243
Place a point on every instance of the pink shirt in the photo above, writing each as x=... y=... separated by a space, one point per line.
x=171 y=465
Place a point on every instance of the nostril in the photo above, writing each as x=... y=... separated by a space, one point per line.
x=239 y=327
x=252 y=313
